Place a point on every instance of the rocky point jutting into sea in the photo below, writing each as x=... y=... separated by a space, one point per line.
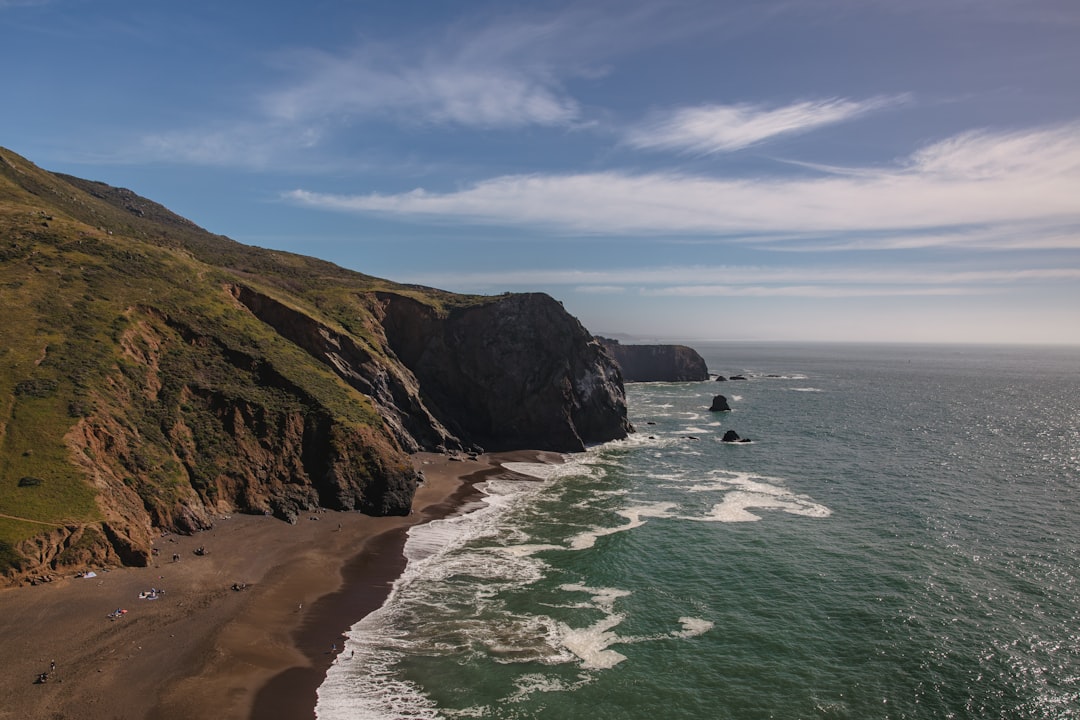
x=656 y=363
x=154 y=375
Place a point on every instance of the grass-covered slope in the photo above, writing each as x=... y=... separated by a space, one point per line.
x=153 y=374
x=136 y=389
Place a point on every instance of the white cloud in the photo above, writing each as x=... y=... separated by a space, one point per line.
x=986 y=185
x=979 y=156
x=749 y=281
x=481 y=74
x=250 y=145
x=494 y=76
x=725 y=128
x=1004 y=236
x=440 y=86
x=809 y=291
x=600 y=289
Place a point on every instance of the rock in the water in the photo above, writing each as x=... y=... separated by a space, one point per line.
x=737 y=377
x=656 y=363
x=721 y=378
x=719 y=404
x=733 y=437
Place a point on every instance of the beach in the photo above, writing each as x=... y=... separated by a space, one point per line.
x=246 y=629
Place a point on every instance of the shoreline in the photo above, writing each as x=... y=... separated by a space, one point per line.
x=369 y=577
x=202 y=649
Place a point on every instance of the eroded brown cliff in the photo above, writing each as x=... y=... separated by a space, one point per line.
x=154 y=376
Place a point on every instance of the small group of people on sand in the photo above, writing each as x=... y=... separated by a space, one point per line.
x=44 y=677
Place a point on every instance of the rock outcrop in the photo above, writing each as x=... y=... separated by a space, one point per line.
x=719 y=404
x=657 y=363
x=515 y=372
x=154 y=376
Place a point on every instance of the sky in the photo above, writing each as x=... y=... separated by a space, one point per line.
x=789 y=170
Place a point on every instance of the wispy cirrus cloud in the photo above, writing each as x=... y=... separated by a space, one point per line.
x=981 y=186
x=481 y=84
x=705 y=276
x=811 y=291
x=750 y=281
x=725 y=128
x=487 y=76
x=246 y=144
x=481 y=73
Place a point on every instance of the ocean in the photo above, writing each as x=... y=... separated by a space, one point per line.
x=900 y=539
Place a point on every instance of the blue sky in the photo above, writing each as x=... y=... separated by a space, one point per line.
x=771 y=170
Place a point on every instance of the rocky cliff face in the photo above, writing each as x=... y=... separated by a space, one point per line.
x=154 y=376
x=515 y=372
x=657 y=363
x=391 y=386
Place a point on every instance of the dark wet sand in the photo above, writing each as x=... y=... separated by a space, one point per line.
x=203 y=650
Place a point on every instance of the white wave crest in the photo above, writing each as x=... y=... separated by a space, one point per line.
x=744 y=492
x=591 y=644
x=736 y=506
x=374 y=693
x=531 y=683
x=635 y=516
x=573 y=466
x=692 y=627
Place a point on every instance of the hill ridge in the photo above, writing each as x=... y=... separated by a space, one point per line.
x=154 y=375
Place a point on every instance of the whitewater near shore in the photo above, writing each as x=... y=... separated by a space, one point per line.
x=897 y=541
x=199 y=648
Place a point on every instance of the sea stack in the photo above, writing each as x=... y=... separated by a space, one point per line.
x=719 y=404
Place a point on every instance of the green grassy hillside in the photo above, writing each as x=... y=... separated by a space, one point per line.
x=117 y=317
x=154 y=375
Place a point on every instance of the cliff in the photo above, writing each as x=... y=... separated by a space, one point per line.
x=657 y=363
x=540 y=382
x=154 y=375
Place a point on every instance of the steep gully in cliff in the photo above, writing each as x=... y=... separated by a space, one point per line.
x=169 y=450
x=512 y=373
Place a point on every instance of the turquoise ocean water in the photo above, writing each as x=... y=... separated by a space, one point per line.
x=900 y=540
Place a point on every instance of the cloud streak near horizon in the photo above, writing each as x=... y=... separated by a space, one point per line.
x=726 y=128
x=744 y=281
x=956 y=190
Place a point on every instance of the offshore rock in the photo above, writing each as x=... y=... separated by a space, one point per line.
x=719 y=404
x=657 y=363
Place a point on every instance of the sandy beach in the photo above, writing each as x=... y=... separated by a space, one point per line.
x=202 y=649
